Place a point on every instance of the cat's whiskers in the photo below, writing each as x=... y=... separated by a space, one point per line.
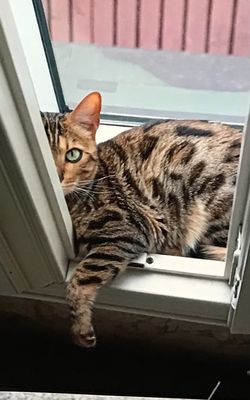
x=68 y=184
x=98 y=191
x=87 y=185
x=88 y=181
x=80 y=191
x=82 y=186
x=101 y=191
x=77 y=193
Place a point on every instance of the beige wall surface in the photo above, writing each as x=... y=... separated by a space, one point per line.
x=122 y=328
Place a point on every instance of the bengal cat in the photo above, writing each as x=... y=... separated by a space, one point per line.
x=162 y=188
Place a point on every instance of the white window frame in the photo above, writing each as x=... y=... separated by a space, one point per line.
x=32 y=191
x=29 y=182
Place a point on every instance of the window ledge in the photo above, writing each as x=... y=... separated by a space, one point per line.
x=155 y=293
x=163 y=294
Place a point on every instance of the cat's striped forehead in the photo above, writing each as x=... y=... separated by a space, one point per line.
x=54 y=127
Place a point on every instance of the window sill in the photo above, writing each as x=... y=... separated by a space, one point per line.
x=155 y=293
x=143 y=291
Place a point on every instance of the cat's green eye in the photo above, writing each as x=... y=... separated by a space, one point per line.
x=73 y=155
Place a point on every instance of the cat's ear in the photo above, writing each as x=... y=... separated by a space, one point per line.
x=87 y=112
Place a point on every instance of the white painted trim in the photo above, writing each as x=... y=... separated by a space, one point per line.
x=162 y=294
x=20 y=88
x=183 y=266
x=33 y=50
x=156 y=294
x=240 y=198
x=239 y=317
x=35 y=224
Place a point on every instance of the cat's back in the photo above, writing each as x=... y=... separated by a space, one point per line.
x=179 y=142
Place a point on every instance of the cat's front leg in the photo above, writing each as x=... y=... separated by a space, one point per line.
x=99 y=267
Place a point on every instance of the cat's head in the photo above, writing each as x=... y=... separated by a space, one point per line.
x=72 y=140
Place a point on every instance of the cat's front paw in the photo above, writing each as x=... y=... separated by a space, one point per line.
x=83 y=336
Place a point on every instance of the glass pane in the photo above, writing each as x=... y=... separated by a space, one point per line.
x=157 y=58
